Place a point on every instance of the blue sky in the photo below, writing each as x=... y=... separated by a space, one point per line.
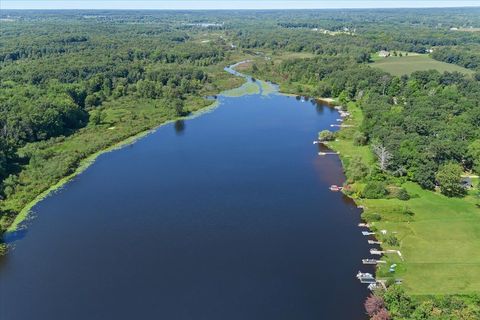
x=228 y=4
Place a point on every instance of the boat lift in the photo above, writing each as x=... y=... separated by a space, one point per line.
x=366 y=277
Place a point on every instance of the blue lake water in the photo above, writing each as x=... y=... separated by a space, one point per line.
x=224 y=216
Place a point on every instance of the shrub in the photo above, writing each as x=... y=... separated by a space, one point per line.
x=374 y=304
x=402 y=194
x=381 y=315
x=3 y=249
x=371 y=216
x=392 y=240
x=407 y=211
x=357 y=170
x=359 y=139
x=326 y=135
x=374 y=190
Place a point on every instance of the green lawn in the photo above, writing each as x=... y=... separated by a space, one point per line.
x=344 y=145
x=407 y=64
x=440 y=243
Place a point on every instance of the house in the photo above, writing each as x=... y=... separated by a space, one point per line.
x=384 y=54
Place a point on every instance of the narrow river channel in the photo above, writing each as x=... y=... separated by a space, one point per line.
x=224 y=216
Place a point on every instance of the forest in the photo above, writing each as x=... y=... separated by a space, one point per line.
x=75 y=83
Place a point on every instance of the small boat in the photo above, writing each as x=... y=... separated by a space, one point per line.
x=315 y=142
x=366 y=277
x=334 y=187
x=367 y=233
x=374 y=242
x=364 y=225
x=369 y=261
x=376 y=251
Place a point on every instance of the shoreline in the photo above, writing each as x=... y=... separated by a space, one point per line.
x=85 y=163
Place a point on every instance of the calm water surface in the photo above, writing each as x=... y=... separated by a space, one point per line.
x=225 y=216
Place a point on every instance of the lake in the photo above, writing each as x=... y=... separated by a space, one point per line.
x=224 y=216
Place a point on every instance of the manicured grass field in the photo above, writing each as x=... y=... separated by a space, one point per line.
x=399 y=66
x=440 y=244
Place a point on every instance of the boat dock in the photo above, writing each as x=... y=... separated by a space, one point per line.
x=395 y=251
x=327 y=153
x=372 y=261
x=342 y=125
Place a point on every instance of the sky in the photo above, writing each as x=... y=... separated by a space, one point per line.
x=230 y=4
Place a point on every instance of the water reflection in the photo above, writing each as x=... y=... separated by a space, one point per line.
x=319 y=108
x=12 y=236
x=179 y=127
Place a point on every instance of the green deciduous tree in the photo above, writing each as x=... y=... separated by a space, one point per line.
x=326 y=135
x=449 y=180
x=474 y=154
x=357 y=170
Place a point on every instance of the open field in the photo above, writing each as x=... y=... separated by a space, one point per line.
x=408 y=64
x=440 y=243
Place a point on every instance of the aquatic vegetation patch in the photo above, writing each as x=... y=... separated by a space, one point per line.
x=249 y=88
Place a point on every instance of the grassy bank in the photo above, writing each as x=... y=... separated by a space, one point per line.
x=440 y=242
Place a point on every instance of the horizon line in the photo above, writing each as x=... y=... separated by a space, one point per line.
x=232 y=9
x=216 y=5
